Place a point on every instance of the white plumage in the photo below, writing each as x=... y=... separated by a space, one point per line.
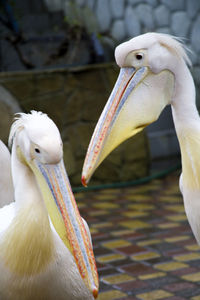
x=37 y=261
x=153 y=74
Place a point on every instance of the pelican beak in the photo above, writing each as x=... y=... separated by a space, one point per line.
x=65 y=217
x=137 y=100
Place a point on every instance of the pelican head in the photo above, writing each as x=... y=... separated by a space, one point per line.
x=145 y=85
x=37 y=144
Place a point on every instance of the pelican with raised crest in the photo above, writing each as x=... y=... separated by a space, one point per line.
x=153 y=73
x=45 y=245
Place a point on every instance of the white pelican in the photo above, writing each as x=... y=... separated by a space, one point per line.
x=45 y=246
x=153 y=74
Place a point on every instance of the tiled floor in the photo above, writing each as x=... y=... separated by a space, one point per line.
x=142 y=242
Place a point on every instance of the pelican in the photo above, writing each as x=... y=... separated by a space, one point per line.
x=153 y=73
x=45 y=246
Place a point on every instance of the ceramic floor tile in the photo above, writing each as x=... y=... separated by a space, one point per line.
x=119 y=278
x=116 y=244
x=175 y=239
x=170 y=266
x=144 y=256
x=135 y=224
x=133 y=286
x=187 y=257
x=98 y=213
x=177 y=218
x=149 y=242
x=141 y=206
x=169 y=199
x=168 y=225
x=102 y=225
x=137 y=269
x=105 y=205
x=194 y=277
x=177 y=208
x=136 y=197
x=152 y=276
x=111 y=295
x=179 y=286
x=194 y=247
x=154 y=295
x=133 y=249
x=110 y=258
x=105 y=196
x=121 y=232
x=135 y=214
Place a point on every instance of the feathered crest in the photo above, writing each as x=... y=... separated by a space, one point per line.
x=145 y=41
x=176 y=45
x=20 y=122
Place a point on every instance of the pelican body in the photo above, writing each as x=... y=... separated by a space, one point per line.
x=45 y=246
x=153 y=73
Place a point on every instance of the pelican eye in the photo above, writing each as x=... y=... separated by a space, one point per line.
x=37 y=150
x=139 y=56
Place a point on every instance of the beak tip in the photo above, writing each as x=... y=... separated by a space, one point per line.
x=95 y=293
x=84 y=182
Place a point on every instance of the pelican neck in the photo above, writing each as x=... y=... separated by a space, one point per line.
x=184 y=110
x=26 y=190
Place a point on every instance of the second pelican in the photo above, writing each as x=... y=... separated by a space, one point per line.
x=154 y=73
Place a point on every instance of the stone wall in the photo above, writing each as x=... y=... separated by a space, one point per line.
x=119 y=20
x=74 y=99
x=114 y=21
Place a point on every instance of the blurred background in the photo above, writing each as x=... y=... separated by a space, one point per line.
x=57 y=56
